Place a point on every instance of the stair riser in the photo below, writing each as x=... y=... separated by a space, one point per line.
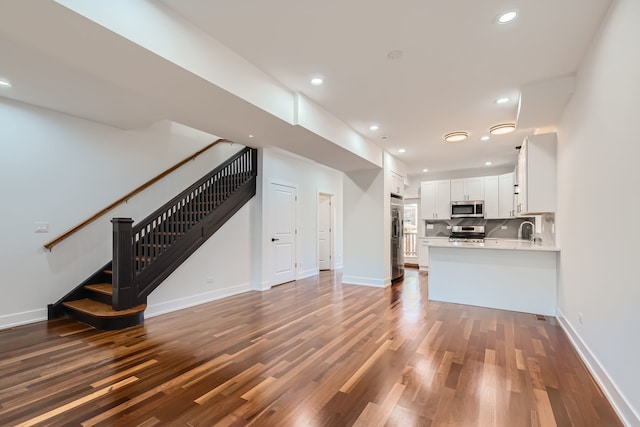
x=98 y=296
x=108 y=324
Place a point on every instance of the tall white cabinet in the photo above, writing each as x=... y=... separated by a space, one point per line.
x=491 y=197
x=435 y=199
x=506 y=186
x=537 y=175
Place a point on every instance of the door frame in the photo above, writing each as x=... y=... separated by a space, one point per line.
x=332 y=215
x=270 y=231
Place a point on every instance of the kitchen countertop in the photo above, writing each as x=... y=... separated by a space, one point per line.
x=504 y=244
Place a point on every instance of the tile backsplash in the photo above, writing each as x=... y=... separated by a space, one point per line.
x=495 y=228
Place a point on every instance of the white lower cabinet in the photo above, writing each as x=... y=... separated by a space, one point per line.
x=423 y=250
x=423 y=254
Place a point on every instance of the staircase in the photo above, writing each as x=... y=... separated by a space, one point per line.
x=144 y=255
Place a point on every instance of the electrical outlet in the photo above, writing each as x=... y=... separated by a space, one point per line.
x=448 y=227
x=209 y=280
x=503 y=227
x=429 y=226
x=580 y=318
x=41 y=227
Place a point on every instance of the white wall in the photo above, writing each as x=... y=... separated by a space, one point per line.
x=366 y=205
x=310 y=179
x=598 y=178
x=221 y=267
x=61 y=170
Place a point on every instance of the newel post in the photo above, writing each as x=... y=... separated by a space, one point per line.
x=124 y=295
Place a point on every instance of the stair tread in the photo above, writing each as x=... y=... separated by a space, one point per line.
x=98 y=309
x=103 y=288
x=108 y=271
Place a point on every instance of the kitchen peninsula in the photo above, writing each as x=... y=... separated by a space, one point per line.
x=499 y=273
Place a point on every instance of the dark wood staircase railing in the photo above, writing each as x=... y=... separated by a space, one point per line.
x=146 y=254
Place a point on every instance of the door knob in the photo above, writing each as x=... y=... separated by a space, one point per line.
x=273 y=239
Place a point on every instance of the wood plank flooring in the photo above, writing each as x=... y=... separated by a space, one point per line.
x=308 y=353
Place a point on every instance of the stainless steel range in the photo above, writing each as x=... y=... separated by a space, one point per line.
x=467 y=233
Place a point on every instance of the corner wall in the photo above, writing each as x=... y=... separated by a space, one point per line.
x=365 y=239
x=598 y=178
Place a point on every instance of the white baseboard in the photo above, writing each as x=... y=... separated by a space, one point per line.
x=365 y=281
x=307 y=273
x=193 y=300
x=261 y=286
x=23 y=318
x=622 y=407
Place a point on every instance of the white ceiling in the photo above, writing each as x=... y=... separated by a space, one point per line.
x=456 y=61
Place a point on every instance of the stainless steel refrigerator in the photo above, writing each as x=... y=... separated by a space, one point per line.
x=397 y=238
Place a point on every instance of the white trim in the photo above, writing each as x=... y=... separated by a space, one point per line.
x=17 y=319
x=366 y=281
x=307 y=273
x=620 y=404
x=261 y=286
x=193 y=300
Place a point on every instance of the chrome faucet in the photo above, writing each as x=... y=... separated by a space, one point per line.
x=533 y=228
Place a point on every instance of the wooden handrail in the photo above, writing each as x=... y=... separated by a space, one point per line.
x=51 y=244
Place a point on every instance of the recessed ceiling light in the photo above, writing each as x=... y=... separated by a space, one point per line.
x=485 y=138
x=402 y=150
x=487 y=163
x=506 y=17
x=317 y=81
x=502 y=129
x=502 y=100
x=425 y=170
x=5 y=83
x=250 y=136
x=374 y=127
x=456 y=136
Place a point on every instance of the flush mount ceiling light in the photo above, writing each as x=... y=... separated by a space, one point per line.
x=374 y=127
x=425 y=170
x=487 y=163
x=402 y=150
x=456 y=136
x=317 y=81
x=506 y=17
x=5 y=83
x=502 y=100
x=502 y=129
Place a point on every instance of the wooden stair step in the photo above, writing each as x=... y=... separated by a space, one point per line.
x=102 y=288
x=108 y=272
x=98 y=309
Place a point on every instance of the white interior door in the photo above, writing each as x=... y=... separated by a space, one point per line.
x=324 y=232
x=283 y=232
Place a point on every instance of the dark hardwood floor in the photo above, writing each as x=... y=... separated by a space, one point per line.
x=308 y=353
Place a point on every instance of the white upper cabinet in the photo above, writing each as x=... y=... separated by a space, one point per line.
x=435 y=199
x=467 y=189
x=506 y=185
x=491 y=197
x=397 y=184
x=537 y=175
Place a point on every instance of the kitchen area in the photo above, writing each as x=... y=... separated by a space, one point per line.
x=490 y=240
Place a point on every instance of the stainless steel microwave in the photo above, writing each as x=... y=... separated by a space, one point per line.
x=467 y=209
